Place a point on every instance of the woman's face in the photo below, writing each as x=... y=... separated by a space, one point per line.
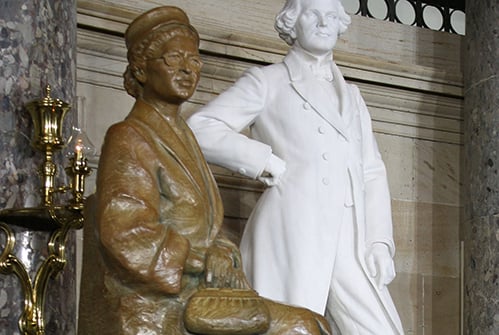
x=173 y=73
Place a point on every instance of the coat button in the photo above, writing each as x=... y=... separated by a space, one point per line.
x=307 y=106
x=242 y=171
x=325 y=156
x=325 y=181
x=322 y=130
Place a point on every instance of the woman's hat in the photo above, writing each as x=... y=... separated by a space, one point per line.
x=153 y=20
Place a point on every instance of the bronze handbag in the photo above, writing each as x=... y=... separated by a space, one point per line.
x=214 y=311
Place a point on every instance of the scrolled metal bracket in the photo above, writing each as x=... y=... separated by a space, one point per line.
x=31 y=321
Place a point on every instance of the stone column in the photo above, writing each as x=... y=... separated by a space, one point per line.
x=37 y=47
x=481 y=133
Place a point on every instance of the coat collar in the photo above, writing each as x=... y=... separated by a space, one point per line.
x=302 y=81
x=181 y=147
x=164 y=133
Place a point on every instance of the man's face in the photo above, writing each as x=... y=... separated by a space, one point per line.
x=173 y=74
x=317 y=26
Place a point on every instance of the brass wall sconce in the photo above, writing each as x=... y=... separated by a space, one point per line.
x=57 y=219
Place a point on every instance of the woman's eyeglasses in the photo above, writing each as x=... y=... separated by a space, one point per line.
x=176 y=60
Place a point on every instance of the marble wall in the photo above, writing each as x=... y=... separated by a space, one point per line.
x=412 y=82
x=37 y=48
x=481 y=123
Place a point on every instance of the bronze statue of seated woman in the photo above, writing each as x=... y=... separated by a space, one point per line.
x=154 y=259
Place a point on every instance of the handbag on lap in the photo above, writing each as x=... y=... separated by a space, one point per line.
x=222 y=311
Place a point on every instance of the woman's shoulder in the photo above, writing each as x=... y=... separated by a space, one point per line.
x=122 y=133
x=121 y=128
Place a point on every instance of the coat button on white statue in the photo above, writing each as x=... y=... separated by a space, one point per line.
x=325 y=181
x=307 y=106
x=325 y=156
x=322 y=130
x=242 y=170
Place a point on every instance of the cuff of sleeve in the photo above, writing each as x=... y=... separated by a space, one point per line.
x=260 y=168
x=389 y=243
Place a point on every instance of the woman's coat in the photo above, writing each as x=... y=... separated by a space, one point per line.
x=156 y=211
x=332 y=161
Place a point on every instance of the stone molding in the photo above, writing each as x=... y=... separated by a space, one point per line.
x=394 y=54
x=396 y=109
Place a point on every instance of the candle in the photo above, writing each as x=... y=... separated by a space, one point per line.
x=79 y=150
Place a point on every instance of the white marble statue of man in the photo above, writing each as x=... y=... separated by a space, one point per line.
x=320 y=236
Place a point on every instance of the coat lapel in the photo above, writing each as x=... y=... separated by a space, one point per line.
x=344 y=95
x=168 y=140
x=310 y=92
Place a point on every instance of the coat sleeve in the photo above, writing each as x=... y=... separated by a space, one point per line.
x=217 y=126
x=128 y=214
x=378 y=214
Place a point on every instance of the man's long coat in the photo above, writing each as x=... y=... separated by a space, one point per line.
x=332 y=161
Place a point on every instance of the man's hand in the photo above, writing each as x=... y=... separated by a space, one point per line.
x=380 y=264
x=273 y=171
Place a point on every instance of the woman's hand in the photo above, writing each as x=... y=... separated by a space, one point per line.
x=194 y=263
x=223 y=266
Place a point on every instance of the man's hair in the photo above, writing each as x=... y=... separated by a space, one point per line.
x=286 y=19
